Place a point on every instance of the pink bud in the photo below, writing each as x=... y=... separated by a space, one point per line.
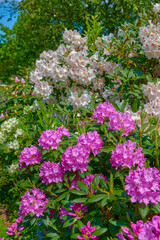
x=2 y=115
x=33 y=93
x=16 y=80
x=22 y=81
x=6 y=112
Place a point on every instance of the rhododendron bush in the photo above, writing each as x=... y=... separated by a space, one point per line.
x=88 y=157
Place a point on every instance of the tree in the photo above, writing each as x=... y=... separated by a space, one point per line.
x=41 y=23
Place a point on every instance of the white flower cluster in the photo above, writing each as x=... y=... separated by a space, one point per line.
x=9 y=125
x=80 y=101
x=151 y=90
x=150 y=37
x=43 y=89
x=13 y=145
x=156 y=8
x=2 y=137
x=13 y=168
x=71 y=63
x=19 y=132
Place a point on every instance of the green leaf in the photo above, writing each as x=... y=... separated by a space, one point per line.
x=69 y=222
x=143 y=210
x=96 y=198
x=100 y=231
x=74 y=236
x=77 y=192
x=150 y=129
x=80 y=200
x=83 y=186
x=118 y=223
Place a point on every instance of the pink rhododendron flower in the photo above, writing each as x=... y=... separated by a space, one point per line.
x=52 y=138
x=91 y=141
x=87 y=232
x=143 y=185
x=2 y=238
x=16 y=80
x=149 y=230
x=51 y=172
x=126 y=155
x=14 y=228
x=30 y=156
x=33 y=202
x=75 y=158
x=103 y=111
x=77 y=211
x=119 y=121
x=22 y=81
x=2 y=115
x=89 y=178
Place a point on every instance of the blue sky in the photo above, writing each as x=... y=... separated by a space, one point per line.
x=6 y=14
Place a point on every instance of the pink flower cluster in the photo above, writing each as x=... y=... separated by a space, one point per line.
x=52 y=138
x=51 y=172
x=14 y=227
x=143 y=185
x=77 y=208
x=87 y=232
x=87 y=180
x=118 y=121
x=142 y=231
x=126 y=155
x=103 y=111
x=75 y=158
x=30 y=156
x=33 y=203
x=91 y=141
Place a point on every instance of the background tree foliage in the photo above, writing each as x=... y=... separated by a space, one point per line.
x=41 y=23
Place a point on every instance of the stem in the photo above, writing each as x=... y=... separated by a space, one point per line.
x=106 y=133
x=111 y=183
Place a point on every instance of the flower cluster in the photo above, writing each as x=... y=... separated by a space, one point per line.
x=75 y=158
x=143 y=185
x=70 y=62
x=80 y=101
x=14 y=227
x=12 y=169
x=149 y=36
x=8 y=125
x=87 y=180
x=87 y=232
x=151 y=90
x=148 y=230
x=13 y=144
x=156 y=8
x=126 y=155
x=91 y=141
x=52 y=138
x=118 y=121
x=30 y=156
x=51 y=172
x=33 y=203
x=103 y=111
x=77 y=208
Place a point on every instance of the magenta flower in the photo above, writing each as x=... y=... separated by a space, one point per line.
x=75 y=158
x=77 y=211
x=122 y=121
x=126 y=155
x=51 y=172
x=52 y=138
x=91 y=141
x=103 y=111
x=2 y=115
x=87 y=232
x=16 y=80
x=22 y=81
x=149 y=230
x=30 y=156
x=143 y=185
x=14 y=228
x=2 y=238
x=33 y=202
x=89 y=178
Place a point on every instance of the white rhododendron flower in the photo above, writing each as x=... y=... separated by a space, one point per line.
x=9 y=125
